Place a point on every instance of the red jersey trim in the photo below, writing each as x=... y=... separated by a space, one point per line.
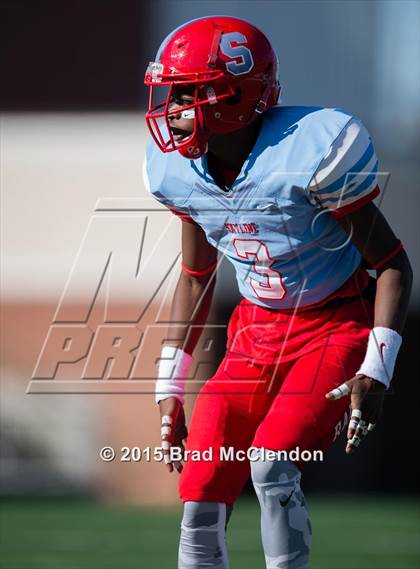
x=342 y=211
x=183 y=216
x=201 y=273
x=390 y=256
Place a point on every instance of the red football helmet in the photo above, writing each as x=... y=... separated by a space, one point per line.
x=231 y=71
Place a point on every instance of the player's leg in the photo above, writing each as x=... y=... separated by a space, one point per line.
x=300 y=416
x=203 y=529
x=285 y=526
x=208 y=488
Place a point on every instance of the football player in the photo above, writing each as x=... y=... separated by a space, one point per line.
x=286 y=194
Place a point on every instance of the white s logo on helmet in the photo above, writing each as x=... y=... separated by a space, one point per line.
x=236 y=52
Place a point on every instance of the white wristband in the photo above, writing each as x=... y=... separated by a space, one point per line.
x=381 y=354
x=173 y=368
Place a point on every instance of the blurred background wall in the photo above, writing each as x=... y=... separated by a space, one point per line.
x=72 y=132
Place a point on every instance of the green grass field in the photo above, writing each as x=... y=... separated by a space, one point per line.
x=350 y=533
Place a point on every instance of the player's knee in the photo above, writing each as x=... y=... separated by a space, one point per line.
x=274 y=471
x=275 y=481
x=199 y=515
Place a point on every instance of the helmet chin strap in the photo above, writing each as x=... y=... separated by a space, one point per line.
x=198 y=145
x=195 y=149
x=261 y=106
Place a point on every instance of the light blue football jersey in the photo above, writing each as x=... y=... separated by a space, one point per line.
x=275 y=223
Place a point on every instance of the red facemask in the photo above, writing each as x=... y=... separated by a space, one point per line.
x=160 y=114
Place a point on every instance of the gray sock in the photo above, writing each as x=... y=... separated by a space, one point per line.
x=285 y=525
x=202 y=543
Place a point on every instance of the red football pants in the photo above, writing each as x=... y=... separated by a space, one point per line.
x=269 y=390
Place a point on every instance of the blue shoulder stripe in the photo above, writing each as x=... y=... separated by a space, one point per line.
x=355 y=170
x=359 y=189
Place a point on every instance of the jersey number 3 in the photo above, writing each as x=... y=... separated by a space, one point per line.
x=273 y=288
